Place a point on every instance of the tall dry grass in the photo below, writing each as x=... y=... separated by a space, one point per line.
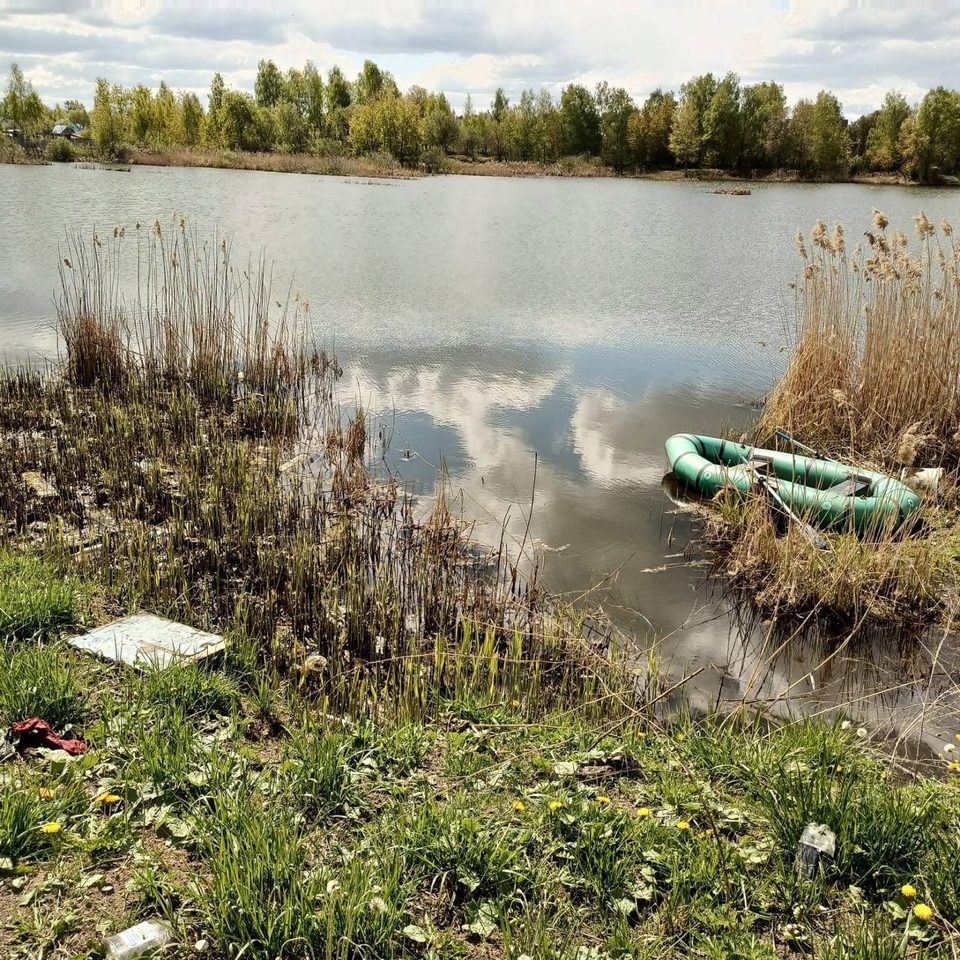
x=876 y=371
x=179 y=311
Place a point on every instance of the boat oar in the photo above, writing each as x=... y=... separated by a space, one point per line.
x=809 y=534
x=783 y=435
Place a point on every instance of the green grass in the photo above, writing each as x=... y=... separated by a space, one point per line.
x=40 y=682
x=35 y=601
x=473 y=833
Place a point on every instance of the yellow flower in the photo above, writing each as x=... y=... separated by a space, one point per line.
x=107 y=799
x=519 y=806
x=51 y=828
x=957 y=738
x=683 y=825
x=644 y=812
x=514 y=703
x=602 y=799
x=954 y=766
x=45 y=793
x=922 y=912
x=909 y=891
x=556 y=804
x=681 y=737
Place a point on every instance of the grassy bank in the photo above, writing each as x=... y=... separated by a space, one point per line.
x=230 y=800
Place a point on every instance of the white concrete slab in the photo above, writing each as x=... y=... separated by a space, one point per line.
x=144 y=640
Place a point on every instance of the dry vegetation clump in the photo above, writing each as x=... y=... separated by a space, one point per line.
x=874 y=381
x=193 y=462
x=345 y=165
x=854 y=584
x=876 y=370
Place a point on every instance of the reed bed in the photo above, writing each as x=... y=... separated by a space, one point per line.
x=192 y=461
x=874 y=380
x=876 y=369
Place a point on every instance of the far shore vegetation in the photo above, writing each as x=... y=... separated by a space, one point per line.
x=305 y=121
x=408 y=750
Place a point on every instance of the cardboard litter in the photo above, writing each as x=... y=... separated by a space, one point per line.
x=145 y=640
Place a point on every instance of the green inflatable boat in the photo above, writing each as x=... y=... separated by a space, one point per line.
x=829 y=494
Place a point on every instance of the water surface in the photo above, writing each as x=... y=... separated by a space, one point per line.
x=518 y=328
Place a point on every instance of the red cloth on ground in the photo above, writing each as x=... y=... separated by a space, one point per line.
x=38 y=733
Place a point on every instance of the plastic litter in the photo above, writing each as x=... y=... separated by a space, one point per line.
x=139 y=941
x=144 y=640
x=817 y=846
x=37 y=732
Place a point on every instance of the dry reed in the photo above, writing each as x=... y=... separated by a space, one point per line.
x=174 y=499
x=876 y=371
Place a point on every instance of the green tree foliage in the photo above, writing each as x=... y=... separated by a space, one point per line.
x=269 y=85
x=242 y=125
x=390 y=124
x=214 y=110
x=192 y=119
x=721 y=124
x=618 y=108
x=498 y=129
x=108 y=119
x=373 y=83
x=931 y=144
x=580 y=120
x=830 y=148
x=440 y=127
x=22 y=105
x=764 y=120
x=688 y=136
x=882 y=148
x=338 y=99
x=714 y=121
x=649 y=130
x=313 y=92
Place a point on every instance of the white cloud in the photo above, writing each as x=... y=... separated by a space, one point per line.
x=858 y=48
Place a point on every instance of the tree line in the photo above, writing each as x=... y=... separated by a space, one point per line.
x=712 y=122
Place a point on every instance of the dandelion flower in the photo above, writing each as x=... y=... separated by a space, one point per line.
x=681 y=737
x=51 y=828
x=555 y=804
x=861 y=731
x=953 y=766
x=846 y=725
x=644 y=812
x=949 y=748
x=908 y=891
x=108 y=799
x=514 y=703
x=519 y=806
x=45 y=793
x=922 y=912
x=683 y=825
x=602 y=799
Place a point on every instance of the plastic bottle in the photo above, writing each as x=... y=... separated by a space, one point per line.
x=139 y=941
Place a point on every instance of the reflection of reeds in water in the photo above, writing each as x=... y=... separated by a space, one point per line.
x=876 y=369
x=176 y=491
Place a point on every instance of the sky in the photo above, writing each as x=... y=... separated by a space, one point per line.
x=859 y=49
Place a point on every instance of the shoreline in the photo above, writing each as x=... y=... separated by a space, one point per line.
x=364 y=166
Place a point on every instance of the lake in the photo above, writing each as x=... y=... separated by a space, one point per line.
x=512 y=329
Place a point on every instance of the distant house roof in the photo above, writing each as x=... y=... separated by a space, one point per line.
x=66 y=129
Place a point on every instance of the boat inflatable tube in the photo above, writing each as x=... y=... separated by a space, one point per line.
x=831 y=495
